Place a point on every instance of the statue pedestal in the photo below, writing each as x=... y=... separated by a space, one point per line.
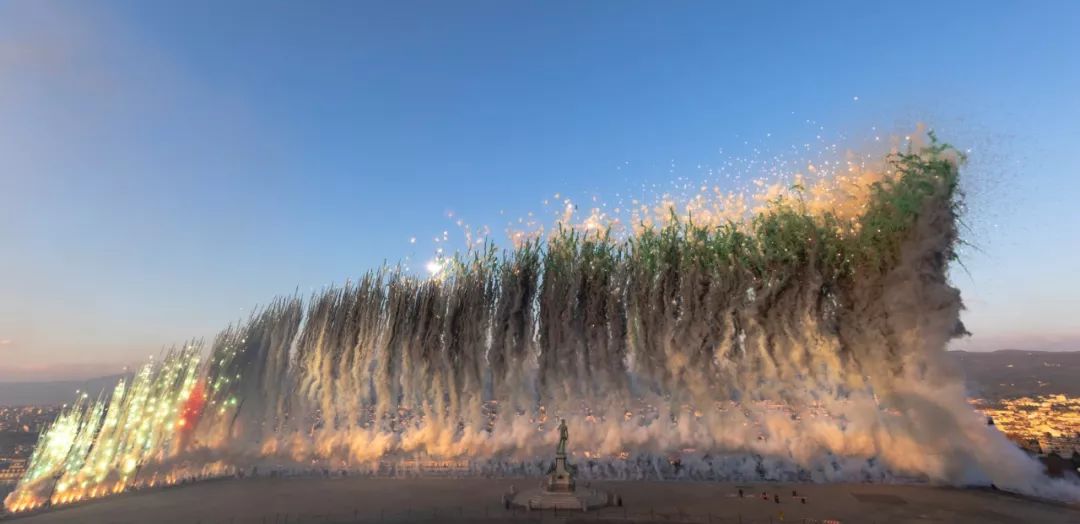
x=560 y=491
x=561 y=478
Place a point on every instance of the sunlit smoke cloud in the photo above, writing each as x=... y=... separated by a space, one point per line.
x=797 y=336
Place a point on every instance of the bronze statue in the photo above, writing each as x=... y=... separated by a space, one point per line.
x=564 y=434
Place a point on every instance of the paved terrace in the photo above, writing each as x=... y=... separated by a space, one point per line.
x=353 y=499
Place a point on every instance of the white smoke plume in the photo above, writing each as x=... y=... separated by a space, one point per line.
x=803 y=343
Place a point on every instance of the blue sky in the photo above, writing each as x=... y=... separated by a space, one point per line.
x=164 y=168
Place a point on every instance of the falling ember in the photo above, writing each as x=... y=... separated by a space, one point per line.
x=798 y=334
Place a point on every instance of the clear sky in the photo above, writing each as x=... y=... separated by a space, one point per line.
x=165 y=166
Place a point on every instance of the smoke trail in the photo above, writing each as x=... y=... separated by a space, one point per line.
x=803 y=342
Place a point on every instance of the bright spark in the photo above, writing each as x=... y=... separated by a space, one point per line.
x=434 y=267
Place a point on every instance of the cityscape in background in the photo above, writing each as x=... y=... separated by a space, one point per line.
x=19 y=430
x=1042 y=425
x=1027 y=395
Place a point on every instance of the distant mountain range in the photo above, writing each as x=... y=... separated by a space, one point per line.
x=53 y=393
x=991 y=375
x=1018 y=373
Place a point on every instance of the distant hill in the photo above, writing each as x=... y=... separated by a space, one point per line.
x=53 y=393
x=991 y=375
x=1016 y=373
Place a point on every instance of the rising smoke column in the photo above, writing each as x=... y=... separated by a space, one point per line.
x=801 y=341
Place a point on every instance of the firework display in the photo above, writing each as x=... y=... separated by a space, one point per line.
x=803 y=340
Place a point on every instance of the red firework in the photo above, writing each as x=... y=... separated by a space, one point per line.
x=192 y=409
